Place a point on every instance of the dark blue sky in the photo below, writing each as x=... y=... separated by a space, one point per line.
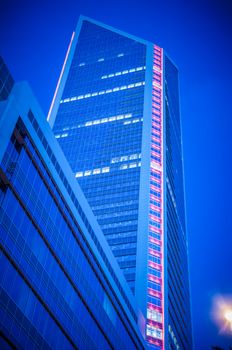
x=197 y=35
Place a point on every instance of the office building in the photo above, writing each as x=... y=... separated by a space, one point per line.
x=60 y=285
x=116 y=115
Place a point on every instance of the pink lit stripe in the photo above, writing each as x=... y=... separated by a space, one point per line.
x=156 y=137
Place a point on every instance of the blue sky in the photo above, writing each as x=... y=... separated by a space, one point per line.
x=197 y=35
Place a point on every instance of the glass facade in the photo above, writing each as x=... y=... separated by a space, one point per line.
x=102 y=108
x=116 y=116
x=54 y=293
x=177 y=264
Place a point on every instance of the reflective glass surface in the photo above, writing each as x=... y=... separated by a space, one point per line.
x=52 y=290
x=178 y=278
x=99 y=127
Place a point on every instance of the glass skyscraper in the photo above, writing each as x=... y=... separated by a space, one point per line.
x=116 y=115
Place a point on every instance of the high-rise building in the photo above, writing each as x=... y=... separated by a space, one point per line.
x=60 y=285
x=116 y=115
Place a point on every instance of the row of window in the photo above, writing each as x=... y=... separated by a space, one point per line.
x=173 y=337
x=98 y=171
x=120 y=224
x=116 y=214
x=101 y=59
x=93 y=172
x=132 y=70
x=99 y=121
x=136 y=120
x=130 y=166
x=125 y=158
x=102 y=92
x=113 y=205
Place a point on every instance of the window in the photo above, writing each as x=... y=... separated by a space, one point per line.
x=154 y=315
x=154 y=332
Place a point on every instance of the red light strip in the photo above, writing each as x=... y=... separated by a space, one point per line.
x=156 y=170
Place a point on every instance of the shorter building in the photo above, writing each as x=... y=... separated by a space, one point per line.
x=60 y=285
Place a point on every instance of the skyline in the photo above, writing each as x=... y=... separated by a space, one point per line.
x=198 y=214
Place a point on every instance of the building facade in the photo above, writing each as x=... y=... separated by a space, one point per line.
x=60 y=286
x=116 y=115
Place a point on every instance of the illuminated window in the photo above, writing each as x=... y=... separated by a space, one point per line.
x=154 y=332
x=106 y=170
x=126 y=71
x=104 y=120
x=87 y=172
x=96 y=171
x=123 y=167
x=124 y=87
x=154 y=315
x=89 y=123
x=132 y=165
x=79 y=174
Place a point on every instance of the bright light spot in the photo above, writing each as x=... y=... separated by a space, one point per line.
x=222 y=313
x=228 y=316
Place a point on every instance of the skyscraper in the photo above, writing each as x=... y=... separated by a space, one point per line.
x=116 y=116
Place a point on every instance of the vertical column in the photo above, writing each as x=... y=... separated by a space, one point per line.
x=155 y=289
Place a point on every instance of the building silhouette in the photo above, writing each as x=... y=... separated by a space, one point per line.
x=116 y=115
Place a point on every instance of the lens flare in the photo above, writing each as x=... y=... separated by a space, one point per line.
x=222 y=313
